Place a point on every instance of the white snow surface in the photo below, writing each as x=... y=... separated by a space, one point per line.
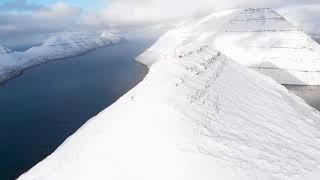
x=197 y=115
x=257 y=38
x=60 y=46
x=264 y=40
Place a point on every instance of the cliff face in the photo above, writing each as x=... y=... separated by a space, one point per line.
x=259 y=20
x=264 y=40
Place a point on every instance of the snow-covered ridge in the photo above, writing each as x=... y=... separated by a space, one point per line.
x=259 y=20
x=267 y=42
x=4 y=50
x=60 y=46
x=257 y=38
x=196 y=115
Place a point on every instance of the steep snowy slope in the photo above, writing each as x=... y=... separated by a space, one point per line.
x=265 y=41
x=65 y=45
x=60 y=46
x=4 y=50
x=8 y=60
x=258 y=38
x=197 y=115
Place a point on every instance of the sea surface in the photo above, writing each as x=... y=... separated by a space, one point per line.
x=48 y=103
x=310 y=94
x=22 y=47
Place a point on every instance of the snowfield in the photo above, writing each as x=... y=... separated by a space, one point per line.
x=257 y=38
x=60 y=46
x=263 y=40
x=197 y=115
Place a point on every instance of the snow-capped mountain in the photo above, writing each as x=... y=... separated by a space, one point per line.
x=263 y=40
x=257 y=38
x=60 y=46
x=4 y=50
x=196 y=115
x=8 y=61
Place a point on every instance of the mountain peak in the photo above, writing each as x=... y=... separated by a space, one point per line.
x=259 y=20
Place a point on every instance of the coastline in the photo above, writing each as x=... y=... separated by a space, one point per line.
x=17 y=72
x=172 y=116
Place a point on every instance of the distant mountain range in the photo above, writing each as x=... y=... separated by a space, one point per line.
x=63 y=45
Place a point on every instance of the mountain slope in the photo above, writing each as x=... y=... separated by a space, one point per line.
x=8 y=59
x=60 y=46
x=4 y=50
x=257 y=38
x=196 y=115
x=263 y=40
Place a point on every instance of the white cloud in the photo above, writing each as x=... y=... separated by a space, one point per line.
x=153 y=11
x=150 y=12
x=132 y=15
x=57 y=11
x=54 y=18
x=307 y=16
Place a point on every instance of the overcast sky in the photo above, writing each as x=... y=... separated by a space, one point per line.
x=34 y=20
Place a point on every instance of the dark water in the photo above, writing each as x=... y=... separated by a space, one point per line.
x=311 y=94
x=42 y=107
x=22 y=47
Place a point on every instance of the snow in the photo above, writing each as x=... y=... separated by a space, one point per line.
x=197 y=115
x=264 y=40
x=259 y=20
x=4 y=50
x=8 y=63
x=59 y=46
x=257 y=38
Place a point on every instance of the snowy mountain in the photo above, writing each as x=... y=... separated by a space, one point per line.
x=196 y=115
x=258 y=38
x=263 y=40
x=60 y=46
x=4 y=50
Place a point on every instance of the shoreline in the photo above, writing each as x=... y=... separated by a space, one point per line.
x=18 y=72
x=103 y=75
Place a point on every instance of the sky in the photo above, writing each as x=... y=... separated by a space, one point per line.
x=33 y=21
x=90 y=5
